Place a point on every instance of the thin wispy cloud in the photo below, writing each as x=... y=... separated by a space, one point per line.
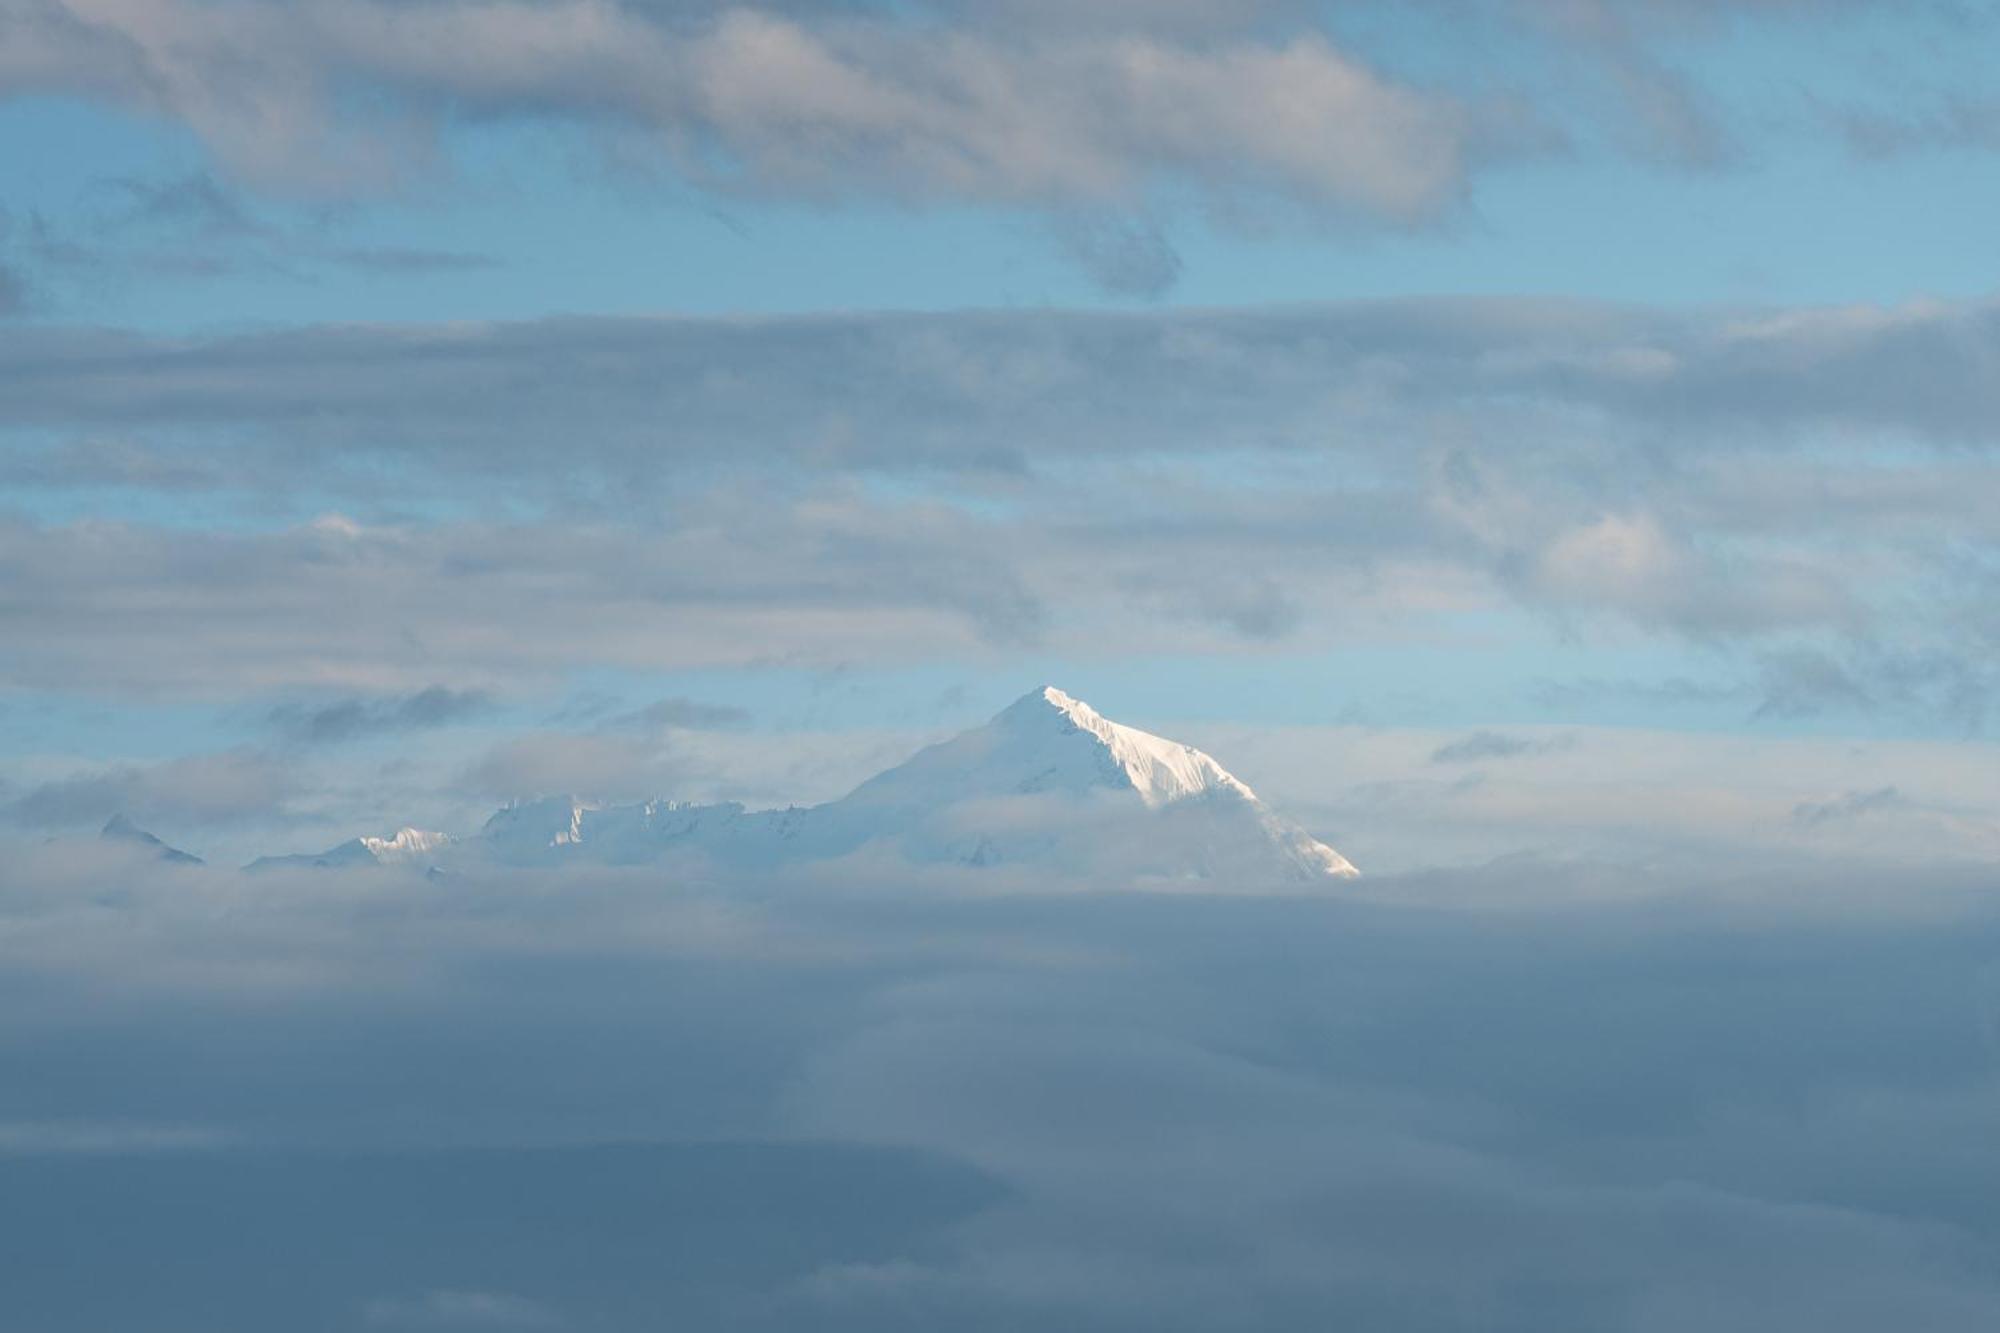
x=228 y=787
x=354 y=718
x=1484 y=745
x=761 y=100
x=1848 y=806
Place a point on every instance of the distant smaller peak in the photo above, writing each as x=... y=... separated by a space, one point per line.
x=407 y=840
x=120 y=829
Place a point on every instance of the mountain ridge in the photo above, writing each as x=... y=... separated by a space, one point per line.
x=1048 y=783
x=120 y=829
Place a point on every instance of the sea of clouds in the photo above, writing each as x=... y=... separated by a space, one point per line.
x=1530 y=1095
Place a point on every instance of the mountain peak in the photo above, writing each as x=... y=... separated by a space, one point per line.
x=1049 y=706
x=1194 y=816
x=1161 y=771
x=120 y=829
x=1048 y=698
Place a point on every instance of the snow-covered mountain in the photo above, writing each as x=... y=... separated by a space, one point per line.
x=1048 y=783
x=410 y=847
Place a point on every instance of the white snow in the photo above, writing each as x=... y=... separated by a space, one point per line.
x=559 y=826
x=1158 y=769
x=407 y=844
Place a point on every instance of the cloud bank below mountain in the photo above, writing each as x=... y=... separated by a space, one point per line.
x=1748 y=1102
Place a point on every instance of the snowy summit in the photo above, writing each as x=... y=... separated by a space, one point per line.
x=1060 y=782
x=1047 y=741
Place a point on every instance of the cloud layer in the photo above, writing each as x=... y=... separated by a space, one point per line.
x=1810 y=491
x=1742 y=1104
x=741 y=98
x=1024 y=102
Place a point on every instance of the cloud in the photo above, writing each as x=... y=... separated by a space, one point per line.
x=593 y=767
x=1250 y=116
x=809 y=104
x=100 y=463
x=870 y=488
x=458 y=1309
x=13 y=290
x=1956 y=123
x=229 y=787
x=1848 y=806
x=615 y=1101
x=349 y=719
x=1481 y=745
x=197 y=226
x=1673 y=692
x=196 y=201
x=967 y=391
x=677 y=713
x=1030 y=103
x=837 y=572
x=673 y=748
x=45 y=1138
x=1658 y=111
x=1802 y=682
x=1124 y=257
x=407 y=259
x=1729 y=800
